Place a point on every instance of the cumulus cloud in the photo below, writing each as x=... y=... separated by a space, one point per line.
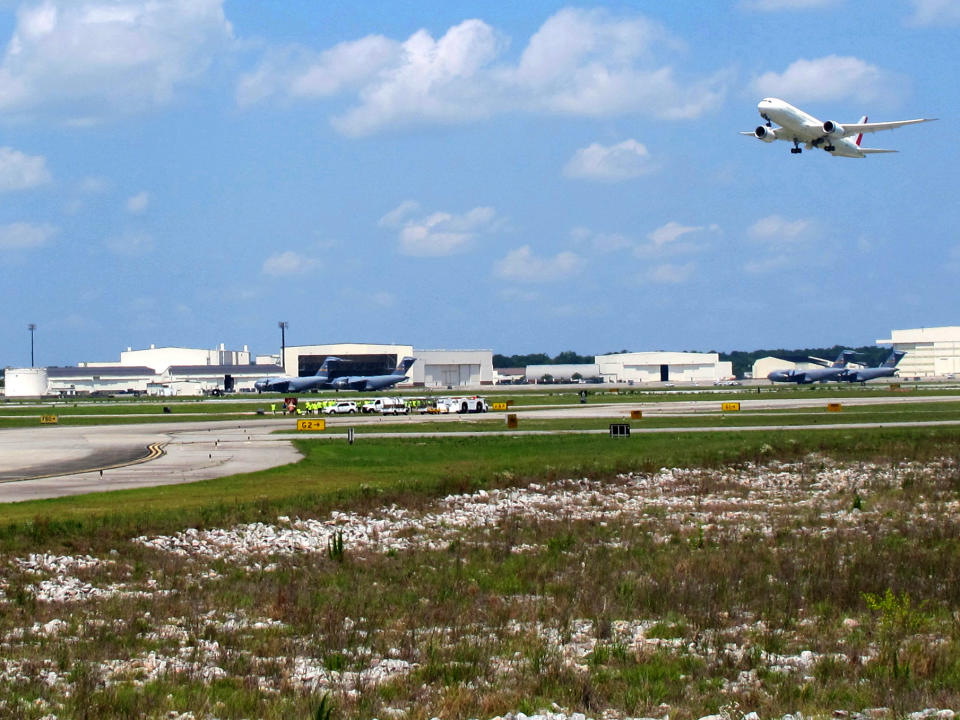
x=776 y=230
x=777 y=5
x=782 y=243
x=96 y=55
x=304 y=74
x=523 y=266
x=288 y=263
x=610 y=163
x=19 y=171
x=670 y=273
x=830 y=78
x=671 y=239
x=130 y=244
x=935 y=12
x=439 y=233
x=600 y=242
x=137 y=204
x=25 y=236
x=579 y=62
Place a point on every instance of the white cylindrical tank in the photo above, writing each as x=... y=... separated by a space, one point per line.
x=25 y=382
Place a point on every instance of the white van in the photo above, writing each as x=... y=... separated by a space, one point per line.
x=386 y=405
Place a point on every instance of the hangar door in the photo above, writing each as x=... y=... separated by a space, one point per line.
x=452 y=375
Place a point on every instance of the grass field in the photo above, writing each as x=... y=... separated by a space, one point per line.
x=679 y=574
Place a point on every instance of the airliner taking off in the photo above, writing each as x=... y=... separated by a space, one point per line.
x=798 y=127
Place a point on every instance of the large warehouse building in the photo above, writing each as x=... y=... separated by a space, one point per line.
x=930 y=352
x=433 y=368
x=192 y=371
x=643 y=367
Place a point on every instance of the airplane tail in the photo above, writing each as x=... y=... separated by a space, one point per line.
x=404 y=366
x=863 y=121
x=324 y=370
x=843 y=358
x=894 y=358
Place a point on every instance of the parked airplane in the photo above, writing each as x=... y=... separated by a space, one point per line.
x=373 y=382
x=288 y=383
x=887 y=369
x=797 y=127
x=802 y=377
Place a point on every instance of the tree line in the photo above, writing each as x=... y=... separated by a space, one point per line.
x=742 y=360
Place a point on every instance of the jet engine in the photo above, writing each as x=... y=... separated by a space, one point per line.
x=764 y=133
x=832 y=128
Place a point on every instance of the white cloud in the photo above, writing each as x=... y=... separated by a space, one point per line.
x=25 y=236
x=784 y=242
x=776 y=230
x=19 y=171
x=437 y=234
x=666 y=240
x=130 y=244
x=671 y=273
x=522 y=265
x=600 y=242
x=96 y=55
x=137 y=204
x=777 y=5
x=666 y=234
x=305 y=74
x=288 y=263
x=935 y=12
x=610 y=163
x=831 y=78
x=579 y=62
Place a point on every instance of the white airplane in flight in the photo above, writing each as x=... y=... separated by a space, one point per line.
x=797 y=127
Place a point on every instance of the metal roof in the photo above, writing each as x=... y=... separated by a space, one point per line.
x=258 y=370
x=108 y=371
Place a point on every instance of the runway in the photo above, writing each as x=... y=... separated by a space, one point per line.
x=57 y=461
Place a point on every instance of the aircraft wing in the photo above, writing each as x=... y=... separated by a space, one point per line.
x=857 y=128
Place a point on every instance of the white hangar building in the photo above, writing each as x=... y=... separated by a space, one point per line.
x=643 y=367
x=664 y=367
x=930 y=352
x=433 y=368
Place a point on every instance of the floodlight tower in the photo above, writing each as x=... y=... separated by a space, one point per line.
x=31 y=327
x=283 y=324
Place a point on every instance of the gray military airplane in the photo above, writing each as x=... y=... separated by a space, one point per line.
x=373 y=382
x=288 y=383
x=802 y=377
x=887 y=369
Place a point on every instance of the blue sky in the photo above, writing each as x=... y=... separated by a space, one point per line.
x=523 y=177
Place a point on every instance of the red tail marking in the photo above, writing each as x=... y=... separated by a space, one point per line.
x=860 y=136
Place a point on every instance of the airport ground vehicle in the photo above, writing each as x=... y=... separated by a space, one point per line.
x=386 y=406
x=344 y=407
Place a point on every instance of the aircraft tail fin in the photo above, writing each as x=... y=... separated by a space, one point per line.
x=325 y=367
x=404 y=366
x=843 y=358
x=894 y=358
x=863 y=121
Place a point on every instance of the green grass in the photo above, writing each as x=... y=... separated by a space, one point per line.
x=461 y=610
x=335 y=472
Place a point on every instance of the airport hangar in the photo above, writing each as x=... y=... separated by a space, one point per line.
x=191 y=371
x=433 y=368
x=642 y=367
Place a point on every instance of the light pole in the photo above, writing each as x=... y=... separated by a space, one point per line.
x=31 y=327
x=283 y=343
